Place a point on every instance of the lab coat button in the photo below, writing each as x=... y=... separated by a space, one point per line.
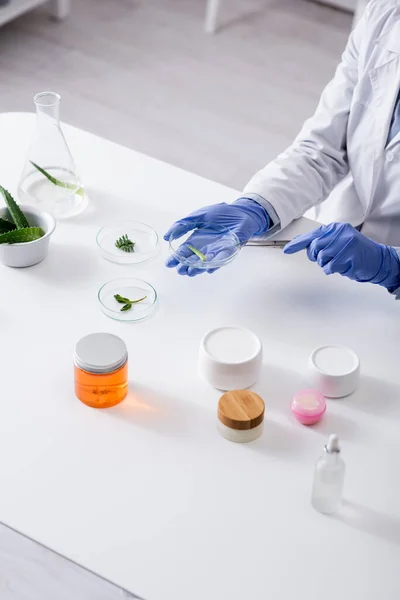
x=390 y=157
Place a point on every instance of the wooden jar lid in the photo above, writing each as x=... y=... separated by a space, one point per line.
x=241 y=410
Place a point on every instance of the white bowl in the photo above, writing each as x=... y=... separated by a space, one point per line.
x=230 y=358
x=29 y=253
x=335 y=370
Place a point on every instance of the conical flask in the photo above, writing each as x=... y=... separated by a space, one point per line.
x=49 y=179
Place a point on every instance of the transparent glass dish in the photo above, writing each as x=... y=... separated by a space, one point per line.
x=132 y=289
x=143 y=236
x=205 y=248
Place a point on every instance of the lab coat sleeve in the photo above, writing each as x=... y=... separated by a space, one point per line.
x=306 y=173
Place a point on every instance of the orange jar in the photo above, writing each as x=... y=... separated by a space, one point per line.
x=101 y=370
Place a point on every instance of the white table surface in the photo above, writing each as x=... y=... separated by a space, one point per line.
x=148 y=494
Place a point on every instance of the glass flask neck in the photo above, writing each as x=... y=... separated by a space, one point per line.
x=48 y=105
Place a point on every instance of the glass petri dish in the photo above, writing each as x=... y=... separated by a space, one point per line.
x=144 y=237
x=216 y=246
x=132 y=289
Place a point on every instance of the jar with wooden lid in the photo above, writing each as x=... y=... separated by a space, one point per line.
x=241 y=415
x=101 y=370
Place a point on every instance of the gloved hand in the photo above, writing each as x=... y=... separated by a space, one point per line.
x=339 y=248
x=244 y=217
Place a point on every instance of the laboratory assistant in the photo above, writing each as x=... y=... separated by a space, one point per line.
x=343 y=168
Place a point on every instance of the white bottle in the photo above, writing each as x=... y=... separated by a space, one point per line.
x=328 y=478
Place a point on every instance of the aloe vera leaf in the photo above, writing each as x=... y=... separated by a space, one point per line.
x=19 y=236
x=197 y=252
x=16 y=213
x=64 y=184
x=6 y=225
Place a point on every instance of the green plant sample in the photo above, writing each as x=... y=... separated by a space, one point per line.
x=125 y=244
x=20 y=236
x=15 y=212
x=126 y=302
x=6 y=225
x=63 y=184
x=20 y=231
x=197 y=252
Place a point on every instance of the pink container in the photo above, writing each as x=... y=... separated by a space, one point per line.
x=308 y=406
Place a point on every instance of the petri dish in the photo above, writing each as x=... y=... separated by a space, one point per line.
x=144 y=237
x=216 y=246
x=132 y=289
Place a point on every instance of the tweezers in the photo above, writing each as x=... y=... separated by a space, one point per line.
x=271 y=243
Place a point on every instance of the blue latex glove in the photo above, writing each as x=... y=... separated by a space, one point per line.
x=339 y=248
x=244 y=217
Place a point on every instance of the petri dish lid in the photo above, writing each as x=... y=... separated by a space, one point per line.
x=100 y=353
x=204 y=247
x=144 y=237
x=131 y=289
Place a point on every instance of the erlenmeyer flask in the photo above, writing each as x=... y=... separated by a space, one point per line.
x=49 y=179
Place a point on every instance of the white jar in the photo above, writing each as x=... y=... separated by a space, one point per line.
x=230 y=358
x=241 y=416
x=335 y=370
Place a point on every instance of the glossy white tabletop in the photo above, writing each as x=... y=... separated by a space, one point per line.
x=148 y=494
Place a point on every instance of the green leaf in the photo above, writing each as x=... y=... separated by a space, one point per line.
x=127 y=303
x=126 y=307
x=197 y=252
x=121 y=299
x=63 y=184
x=125 y=244
x=15 y=212
x=6 y=225
x=20 y=236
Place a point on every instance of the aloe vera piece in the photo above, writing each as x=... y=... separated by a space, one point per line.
x=16 y=213
x=197 y=252
x=20 y=236
x=6 y=225
x=64 y=184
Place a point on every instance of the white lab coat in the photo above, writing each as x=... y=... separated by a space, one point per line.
x=345 y=141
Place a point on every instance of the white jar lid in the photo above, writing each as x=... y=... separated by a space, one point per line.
x=335 y=370
x=231 y=345
x=100 y=353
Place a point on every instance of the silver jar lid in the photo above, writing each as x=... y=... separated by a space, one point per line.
x=100 y=353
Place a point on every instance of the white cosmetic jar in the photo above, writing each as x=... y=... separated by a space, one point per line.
x=230 y=358
x=335 y=370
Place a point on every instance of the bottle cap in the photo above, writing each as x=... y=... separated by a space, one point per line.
x=100 y=353
x=333 y=446
x=241 y=410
